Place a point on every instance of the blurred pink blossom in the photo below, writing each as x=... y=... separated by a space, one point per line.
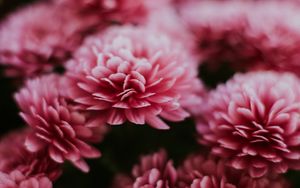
x=16 y=179
x=199 y=171
x=122 y=11
x=246 y=35
x=14 y=156
x=253 y=121
x=57 y=125
x=153 y=171
x=37 y=38
x=134 y=74
x=165 y=19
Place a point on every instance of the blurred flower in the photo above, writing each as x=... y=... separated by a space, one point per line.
x=133 y=74
x=154 y=171
x=15 y=157
x=37 y=38
x=165 y=19
x=57 y=125
x=123 y=11
x=16 y=179
x=246 y=34
x=198 y=171
x=253 y=121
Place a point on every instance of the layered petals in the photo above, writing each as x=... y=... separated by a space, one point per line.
x=253 y=120
x=57 y=125
x=121 y=75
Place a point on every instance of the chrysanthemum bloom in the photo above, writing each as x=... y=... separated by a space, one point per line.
x=198 y=171
x=122 y=75
x=246 y=34
x=29 y=46
x=57 y=125
x=16 y=179
x=154 y=171
x=253 y=121
x=14 y=156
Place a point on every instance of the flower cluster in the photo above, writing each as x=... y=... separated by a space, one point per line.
x=83 y=68
x=197 y=171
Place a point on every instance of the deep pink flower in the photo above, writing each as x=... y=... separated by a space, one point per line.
x=39 y=37
x=246 y=34
x=14 y=156
x=57 y=125
x=198 y=171
x=16 y=179
x=153 y=171
x=133 y=74
x=253 y=120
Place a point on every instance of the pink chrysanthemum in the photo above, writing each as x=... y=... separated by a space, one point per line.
x=56 y=124
x=122 y=75
x=253 y=121
x=154 y=171
x=29 y=46
x=200 y=172
x=14 y=156
x=16 y=179
x=246 y=34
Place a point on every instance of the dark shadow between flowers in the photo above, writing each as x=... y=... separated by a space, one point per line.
x=214 y=76
x=9 y=110
x=123 y=147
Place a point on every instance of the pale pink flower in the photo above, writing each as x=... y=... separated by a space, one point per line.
x=14 y=156
x=246 y=34
x=39 y=37
x=253 y=121
x=56 y=124
x=165 y=19
x=133 y=74
x=153 y=171
x=199 y=171
x=16 y=179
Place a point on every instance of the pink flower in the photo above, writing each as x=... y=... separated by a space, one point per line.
x=122 y=75
x=154 y=171
x=246 y=34
x=56 y=124
x=133 y=11
x=16 y=179
x=14 y=156
x=165 y=19
x=198 y=171
x=253 y=121
x=29 y=45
